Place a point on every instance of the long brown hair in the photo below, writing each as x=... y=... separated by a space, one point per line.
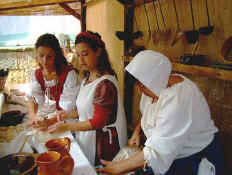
x=50 y=40
x=94 y=41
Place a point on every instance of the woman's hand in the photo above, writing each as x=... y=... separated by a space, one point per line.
x=33 y=123
x=134 y=140
x=110 y=168
x=62 y=115
x=58 y=127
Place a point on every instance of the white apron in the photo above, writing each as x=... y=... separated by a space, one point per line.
x=85 y=107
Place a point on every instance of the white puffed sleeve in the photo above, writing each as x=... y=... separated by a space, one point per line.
x=70 y=91
x=35 y=90
x=169 y=134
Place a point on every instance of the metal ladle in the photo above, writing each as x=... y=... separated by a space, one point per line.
x=209 y=29
x=192 y=35
x=165 y=34
x=179 y=34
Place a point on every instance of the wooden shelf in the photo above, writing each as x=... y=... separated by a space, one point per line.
x=203 y=71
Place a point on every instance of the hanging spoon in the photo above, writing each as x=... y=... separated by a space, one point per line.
x=179 y=34
x=167 y=32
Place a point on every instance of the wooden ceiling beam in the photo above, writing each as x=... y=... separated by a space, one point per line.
x=15 y=4
x=36 y=12
x=70 y=10
x=54 y=9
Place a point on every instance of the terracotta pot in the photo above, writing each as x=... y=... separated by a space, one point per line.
x=60 y=145
x=52 y=163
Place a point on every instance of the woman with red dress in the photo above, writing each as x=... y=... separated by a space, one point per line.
x=99 y=107
x=55 y=84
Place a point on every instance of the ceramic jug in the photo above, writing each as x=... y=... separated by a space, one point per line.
x=52 y=163
x=60 y=145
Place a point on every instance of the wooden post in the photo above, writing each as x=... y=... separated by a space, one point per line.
x=83 y=16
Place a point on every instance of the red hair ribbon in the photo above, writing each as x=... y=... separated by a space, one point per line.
x=91 y=36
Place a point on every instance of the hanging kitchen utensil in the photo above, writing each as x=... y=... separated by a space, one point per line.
x=179 y=34
x=125 y=2
x=209 y=29
x=222 y=66
x=193 y=58
x=137 y=46
x=128 y=35
x=167 y=32
x=156 y=34
x=226 y=50
x=148 y=22
x=192 y=35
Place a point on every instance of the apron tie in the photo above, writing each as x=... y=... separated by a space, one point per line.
x=105 y=129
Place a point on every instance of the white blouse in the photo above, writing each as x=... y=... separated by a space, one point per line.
x=68 y=96
x=176 y=126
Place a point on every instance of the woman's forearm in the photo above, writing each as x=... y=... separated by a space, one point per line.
x=80 y=126
x=32 y=109
x=137 y=130
x=134 y=162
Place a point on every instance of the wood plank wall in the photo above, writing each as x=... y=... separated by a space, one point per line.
x=220 y=14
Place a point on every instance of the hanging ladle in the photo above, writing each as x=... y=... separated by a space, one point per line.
x=156 y=34
x=148 y=22
x=179 y=34
x=209 y=29
x=165 y=34
x=192 y=35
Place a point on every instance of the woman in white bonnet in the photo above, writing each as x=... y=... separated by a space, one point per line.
x=181 y=136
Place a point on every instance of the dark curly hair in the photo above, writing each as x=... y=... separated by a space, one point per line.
x=50 y=40
x=94 y=41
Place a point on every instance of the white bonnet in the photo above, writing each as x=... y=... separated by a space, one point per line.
x=152 y=69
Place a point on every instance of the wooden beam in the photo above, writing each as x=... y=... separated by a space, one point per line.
x=35 y=12
x=54 y=9
x=203 y=71
x=83 y=16
x=14 y=4
x=70 y=10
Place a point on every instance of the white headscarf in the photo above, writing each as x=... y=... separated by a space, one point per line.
x=152 y=69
